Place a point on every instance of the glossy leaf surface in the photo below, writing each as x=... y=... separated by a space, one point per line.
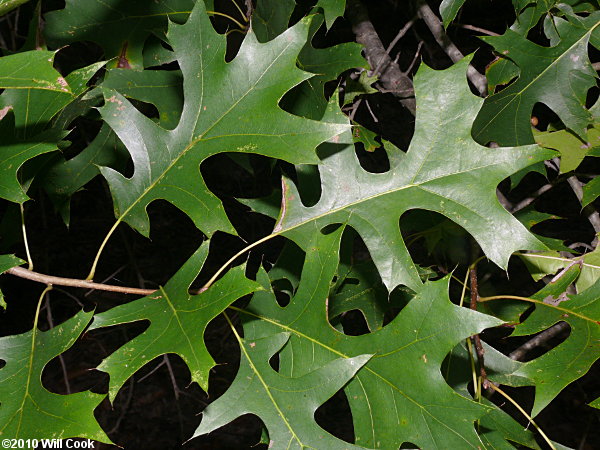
x=463 y=188
x=504 y=117
x=229 y=107
x=177 y=323
x=389 y=406
x=119 y=27
x=27 y=409
x=285 y=405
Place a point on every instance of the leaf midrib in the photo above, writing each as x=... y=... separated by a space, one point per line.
x=343 y=355
x=520 y=93
x=200 y=138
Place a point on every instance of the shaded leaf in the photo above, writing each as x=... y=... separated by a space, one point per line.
x=119 y=27
x=571 y=359
x=8 y=5
x=63 y=178
x=177 y=323
x=389 y=406
x=27 y=409
x=162 y=88
x=229 y=107
x=270 y=18
x=15 y=152
x=308 y=99
x=332 y=9
x=285 y=405
x=505 y=116
x=35 y=108
x=463 y=188
x=497 y=428
x=354 y=88
x=530 y=217
x=31 y=70
x=449 y=9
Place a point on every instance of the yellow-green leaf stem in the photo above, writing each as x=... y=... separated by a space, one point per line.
x=522 y=411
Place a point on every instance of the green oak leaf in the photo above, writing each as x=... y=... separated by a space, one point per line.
x=27 y=409
x=31 y=70
x=162 y=88
x=308 y=99
x=177 y=322
x=366 y=137
x=595 y=403
x=548 y=263
x=7 y=262
x=332 y=9
x=400 y=394
x=529 y=13
x=463 y=187
x=63 y=178
x=496 y=427
x=572 y=149
x=505 y=116
x=119 y=27
x=357 y=286
x=571 y=359
x=449 y=9
x=591 y=191
x=34 y=108
x=285 y=405
x=270 y=18
x=14 y=152
x=228 y=107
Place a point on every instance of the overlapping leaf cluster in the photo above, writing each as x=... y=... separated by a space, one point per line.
x=169 y=55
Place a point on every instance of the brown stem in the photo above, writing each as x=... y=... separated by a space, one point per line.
x=60 y=281
x=391 y=77
x=589 y=211
x=475 y=338
x=538 y=340
x=437 y=30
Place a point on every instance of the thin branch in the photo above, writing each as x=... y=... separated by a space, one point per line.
x=392 y=78
x=124 y=408
x=506 y=204
x=476 y=339
x=60 y=281
x=477 y=29
x=437 y=30
x=538 y=340
x=589 y=211
x=532 y=198
x=389 y=48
